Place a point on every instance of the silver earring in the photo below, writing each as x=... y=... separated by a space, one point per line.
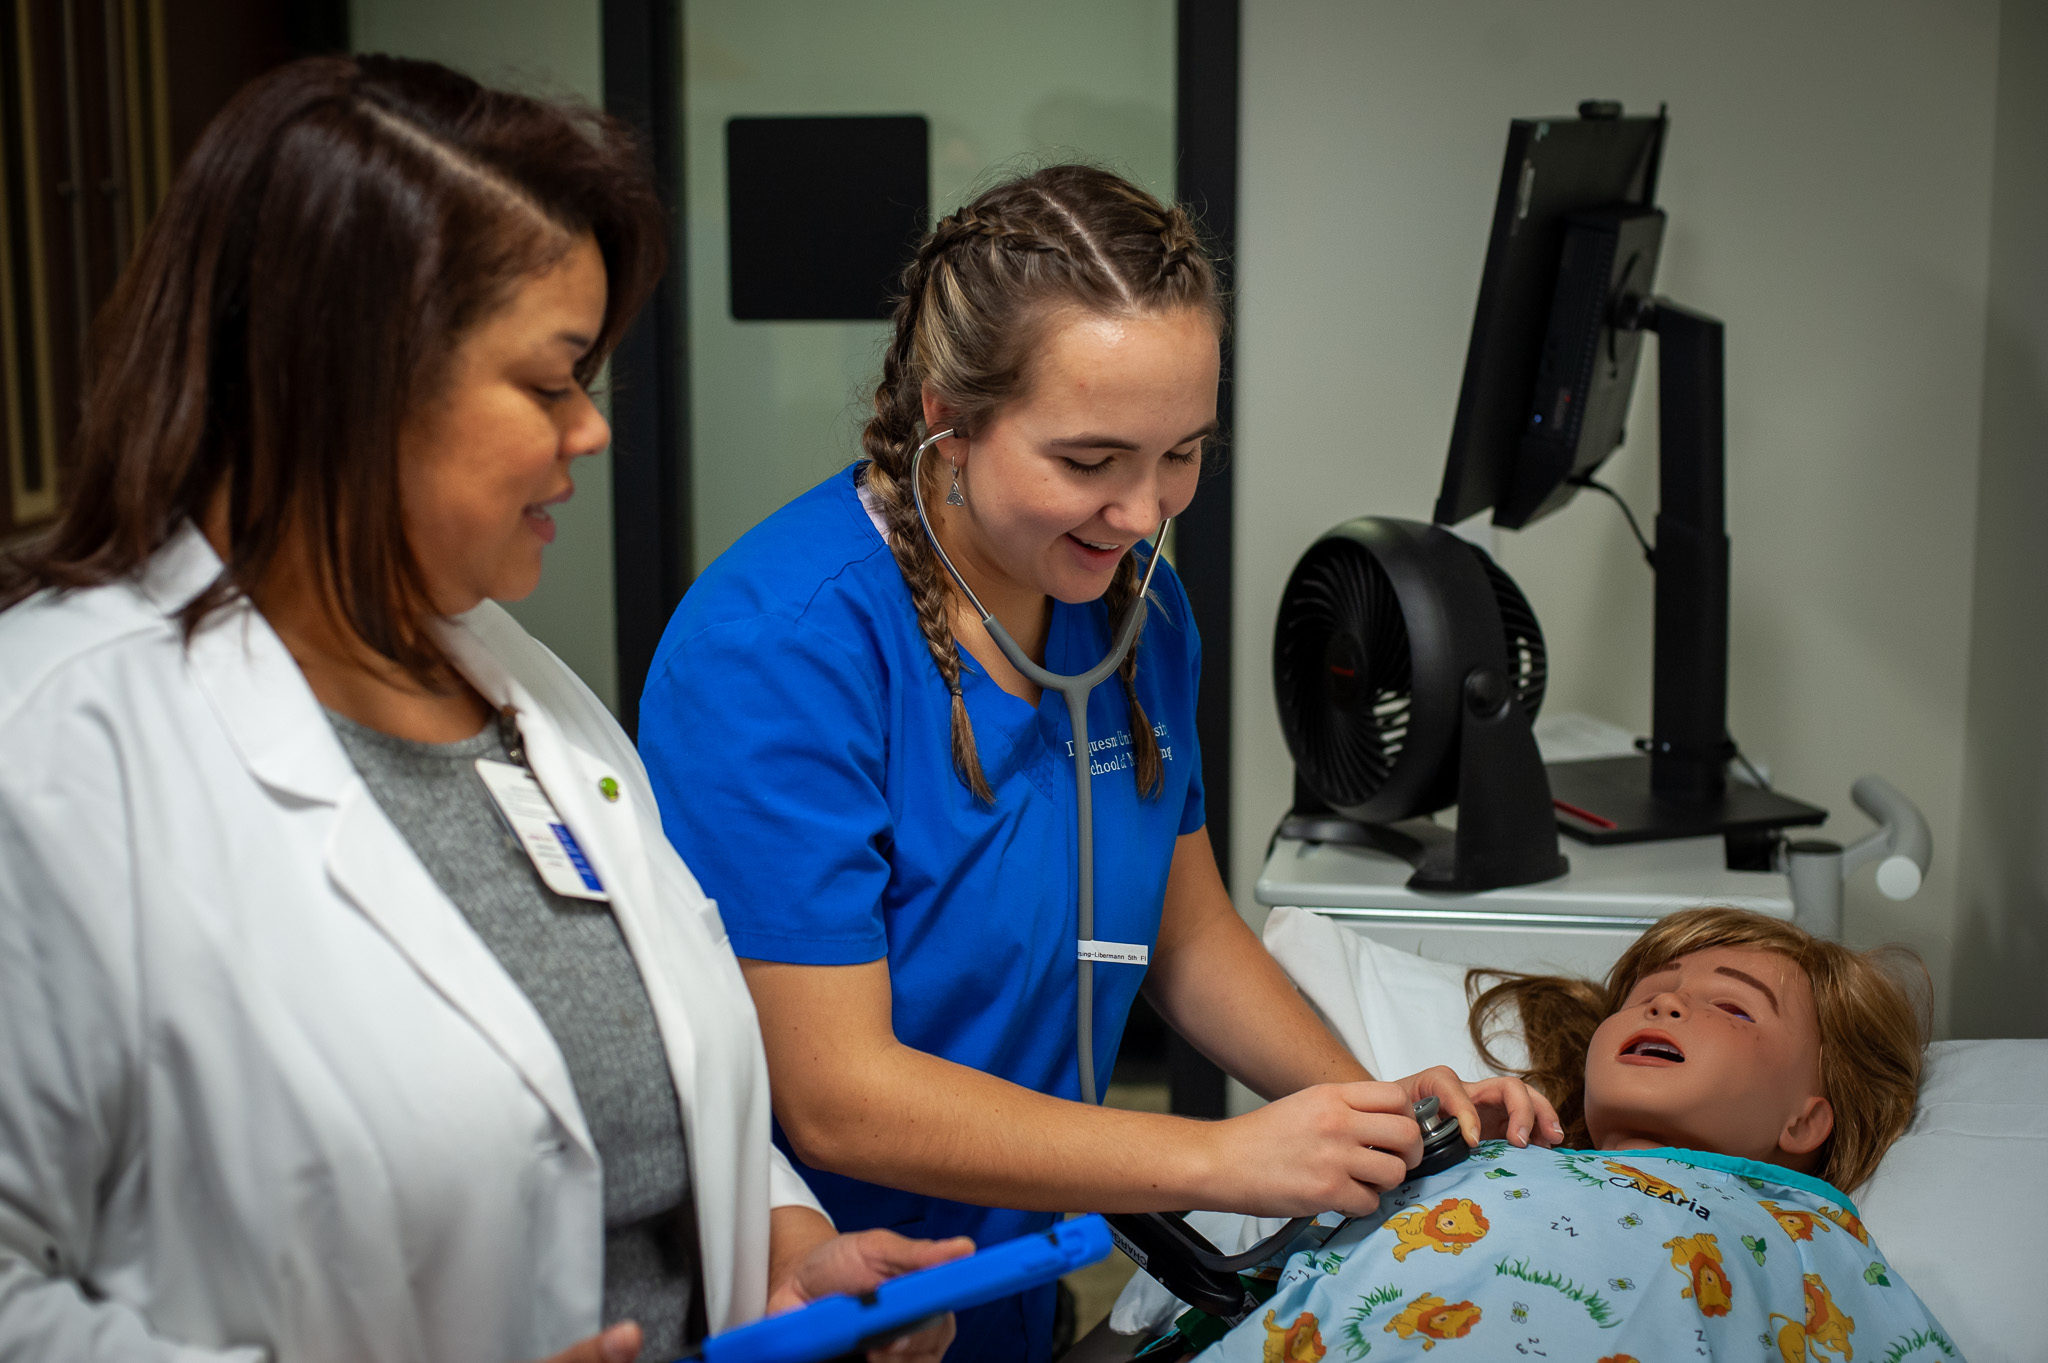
x=953 y=497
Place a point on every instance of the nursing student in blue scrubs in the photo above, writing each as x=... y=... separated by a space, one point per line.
x=883 y=806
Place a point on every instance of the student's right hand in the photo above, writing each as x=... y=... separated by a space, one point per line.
x=1332 y=1147
x=618 y=1344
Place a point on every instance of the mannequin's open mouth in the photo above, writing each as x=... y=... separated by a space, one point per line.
x=1650 y=1049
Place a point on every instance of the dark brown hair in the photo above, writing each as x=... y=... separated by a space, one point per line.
x=976 y=302
x=1873 y=1008
x=338 y=229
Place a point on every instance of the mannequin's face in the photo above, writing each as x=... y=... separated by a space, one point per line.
x=1104 y=444
x=1719 y=1050
x=484 y=462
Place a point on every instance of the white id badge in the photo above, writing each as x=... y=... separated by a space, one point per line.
x=1116 y=953
x=540 y=830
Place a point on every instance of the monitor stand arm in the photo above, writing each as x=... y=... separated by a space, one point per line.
x=1681 y=789
x=1689 y=747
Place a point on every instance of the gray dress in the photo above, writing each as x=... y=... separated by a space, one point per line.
x=573 y=964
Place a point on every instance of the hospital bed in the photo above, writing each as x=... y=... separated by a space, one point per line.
x=1958 y=1203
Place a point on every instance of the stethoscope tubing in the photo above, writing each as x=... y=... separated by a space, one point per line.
x=1075 y=690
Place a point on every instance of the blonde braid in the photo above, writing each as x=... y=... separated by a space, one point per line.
x=1183 y=245
x=890 y=439
x=1123 y=590
x=1182 y=251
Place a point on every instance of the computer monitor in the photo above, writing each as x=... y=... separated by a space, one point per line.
x=1564 y=300
x=1549 y=373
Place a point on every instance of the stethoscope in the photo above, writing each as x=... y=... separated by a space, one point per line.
x=1076 y=690
x=1161 y=1242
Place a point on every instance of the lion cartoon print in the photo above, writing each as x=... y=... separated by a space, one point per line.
x=1847 y=1220
x=1826 y=1327
x=1698 y=1257
x=1571 y=1273
x=1432 y=1319
x=1447 y=1228
x=1301 y=1342
x=1800 y=1225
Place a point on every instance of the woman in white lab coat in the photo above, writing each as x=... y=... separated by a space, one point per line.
x=279 y=1077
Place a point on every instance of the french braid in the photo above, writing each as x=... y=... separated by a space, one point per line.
x=973 y=306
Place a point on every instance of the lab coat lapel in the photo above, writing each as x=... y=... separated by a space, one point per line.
x=277 y=728
x=701 y=1005
x=607 y=830
x=269 y=713
x=375 y=867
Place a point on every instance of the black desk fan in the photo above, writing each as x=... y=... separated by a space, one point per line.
x=1408 y=668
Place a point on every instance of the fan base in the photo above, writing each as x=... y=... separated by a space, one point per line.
x=1428 y=846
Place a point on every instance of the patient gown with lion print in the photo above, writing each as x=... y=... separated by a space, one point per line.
x=1593 y=1257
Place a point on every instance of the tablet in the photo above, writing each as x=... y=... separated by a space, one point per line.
x=841 y=1324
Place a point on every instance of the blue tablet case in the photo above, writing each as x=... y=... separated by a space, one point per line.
x=834 y=1326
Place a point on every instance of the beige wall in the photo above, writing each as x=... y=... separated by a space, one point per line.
x=2002 y=916
x=554 y=48
x=1829 y=178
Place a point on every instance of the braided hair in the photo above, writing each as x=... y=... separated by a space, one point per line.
x=975 y=303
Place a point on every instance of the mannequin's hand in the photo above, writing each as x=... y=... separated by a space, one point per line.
x=1489 y=1109
x=1328 y=1147
x=856 y=1263
x=618 y=1344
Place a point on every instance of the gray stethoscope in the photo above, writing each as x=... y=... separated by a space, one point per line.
x=1076 y=691
x=1160 y=1242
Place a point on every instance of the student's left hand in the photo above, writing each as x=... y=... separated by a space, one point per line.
x=859 y=1262
x=1489 y=1109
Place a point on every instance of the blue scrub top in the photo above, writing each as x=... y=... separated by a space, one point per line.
x=799 y=738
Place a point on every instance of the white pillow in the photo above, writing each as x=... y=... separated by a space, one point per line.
x=1396 y=1011
x=1957 y=1203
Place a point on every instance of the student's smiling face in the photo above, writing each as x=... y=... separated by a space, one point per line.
x=1719 y=1050
x=1104 y=444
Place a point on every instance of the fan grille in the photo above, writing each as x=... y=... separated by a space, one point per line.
x=1343 y=672
x=1528 y=664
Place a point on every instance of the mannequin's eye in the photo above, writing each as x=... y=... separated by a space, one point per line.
x=1737 y=1011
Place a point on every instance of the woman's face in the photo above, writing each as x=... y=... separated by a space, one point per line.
x=1719 y=1050
x=1102 y=446
x=482 y=464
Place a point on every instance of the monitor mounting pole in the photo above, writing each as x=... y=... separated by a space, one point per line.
x=1681 y=788
x=1689 y=747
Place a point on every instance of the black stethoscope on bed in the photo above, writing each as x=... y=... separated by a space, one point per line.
x=1161 y=1243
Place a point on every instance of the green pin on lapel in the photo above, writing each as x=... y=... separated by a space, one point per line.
x=608 y=788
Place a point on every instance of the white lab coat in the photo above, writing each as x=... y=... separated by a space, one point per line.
x=263 y=1092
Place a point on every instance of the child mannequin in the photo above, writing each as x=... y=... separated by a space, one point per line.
x=1822 y=1044
x=1729 y=1078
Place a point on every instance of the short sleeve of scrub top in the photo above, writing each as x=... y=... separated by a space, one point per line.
x=798 y=735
